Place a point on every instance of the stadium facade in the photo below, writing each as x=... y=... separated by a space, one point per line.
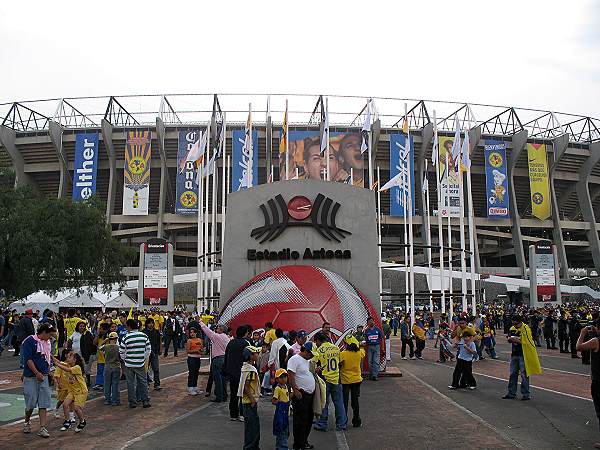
x=38 y=138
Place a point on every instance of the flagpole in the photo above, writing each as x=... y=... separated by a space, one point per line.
x=206 y=218
x=404 y=214
x=249 y=173
x=213 y=227
x=463 y=259
x=287 y=139
x=200 y=239
x=428 y=236
x=450 y=290
x=472 y=242
x=370 y=145
x=223 y=189
x=410 y=223
x=352 y=176
x=327 y=137
x=379 y=239
x=439 y=214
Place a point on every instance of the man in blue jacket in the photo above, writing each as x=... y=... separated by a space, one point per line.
x=373 y=336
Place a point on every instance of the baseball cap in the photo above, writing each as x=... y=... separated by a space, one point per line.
x=113 y=335
x=248 y=351
x=307 y=346
x=280 y=372
x=301 y=334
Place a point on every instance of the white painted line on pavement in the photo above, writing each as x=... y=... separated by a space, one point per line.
x=465 y=410
x=342 y=443
x=506 y=381
x=162 y=427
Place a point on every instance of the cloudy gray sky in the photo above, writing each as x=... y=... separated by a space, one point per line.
x=522 y=53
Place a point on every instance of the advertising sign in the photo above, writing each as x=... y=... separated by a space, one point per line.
x=400 y=162
x=86 y=165
x=306 y=158
x=186 y=202
x=450 y=189
x=545 y=273
x=136 y=189
x=538 y=181
x=156 y=274
x=496 y=179
x=241 y=160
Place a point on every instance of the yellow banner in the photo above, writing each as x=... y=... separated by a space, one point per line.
x=538 y=181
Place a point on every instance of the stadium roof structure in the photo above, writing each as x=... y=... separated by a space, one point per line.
x=344 y=111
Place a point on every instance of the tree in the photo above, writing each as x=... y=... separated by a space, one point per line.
x=55 y=244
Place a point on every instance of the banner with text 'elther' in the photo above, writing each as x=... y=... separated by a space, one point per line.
x=240 y=162
x=401 y=162
x=186 y=187
x=496 y=179
x=86 y=165
x=136 y=189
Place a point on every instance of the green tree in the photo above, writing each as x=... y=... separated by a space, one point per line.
x=55 y=244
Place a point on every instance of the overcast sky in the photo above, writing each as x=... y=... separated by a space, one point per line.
x=524 y=53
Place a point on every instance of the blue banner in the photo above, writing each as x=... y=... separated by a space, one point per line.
x=397 y=146
x=186 y=202
x=240 y=161
x=496 y=179
x=86 y=165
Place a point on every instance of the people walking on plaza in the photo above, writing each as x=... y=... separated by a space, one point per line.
x=218 y=343
x=406 y=338
x=36 y=387
x=302 y=383
x=281 y=418
x=563 y=333
x=194 y=348
x=134 y=350
x=328 y=358
x=395 y=324
x=373 y=337
x=351 y=377
x=112 y=369
x=73 y=368
x=418 y=331
x=467 y=353
x=153 y=334
x=549 y=335
x=249 y=392
x=232 y=366
x=574 y=332
x=523 y=358
x=387 y=332
x=488 y=340
x=589 y=341
x=172 y=330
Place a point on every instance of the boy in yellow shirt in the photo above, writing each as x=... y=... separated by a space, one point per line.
x=281 y=419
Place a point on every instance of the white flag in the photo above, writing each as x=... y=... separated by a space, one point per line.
x=435 y=153
x=466 y=157
x=197 y=149
x=456 y=143
x=366 y=129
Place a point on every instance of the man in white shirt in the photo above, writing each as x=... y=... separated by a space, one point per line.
x=276 y=349
x=302 y=382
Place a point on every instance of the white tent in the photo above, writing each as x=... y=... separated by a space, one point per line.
x=116 y=300
x=40 y=301
x=72 y=299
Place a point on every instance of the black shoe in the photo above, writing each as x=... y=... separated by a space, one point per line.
x=357 y=423
x=80 y=426
x=214 y=400
x=308 y=446
x=525 y=398
x=133 y=405
x=508 y=397
x=146 y=405
x=66 y=425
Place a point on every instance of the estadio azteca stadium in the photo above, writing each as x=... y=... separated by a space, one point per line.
x=106 y=145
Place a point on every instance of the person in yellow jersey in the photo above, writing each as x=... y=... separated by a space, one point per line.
x=328 y=358
x=78 y=391
x=269 y=333
x=71 y=322
x=351 y=371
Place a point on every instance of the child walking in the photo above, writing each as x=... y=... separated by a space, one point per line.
x=463 y=372
x=281 y=419
x=74 y=370
x=62 y=387
x=112 y=369
x=249 y=392
x=194 y=347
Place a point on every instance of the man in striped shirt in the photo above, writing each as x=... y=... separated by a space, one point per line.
x=134 y=349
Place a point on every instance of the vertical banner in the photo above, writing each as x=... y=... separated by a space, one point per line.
x=306 y=158
x=545 y=274
x=538 y=181
x=86 y=165
x=186 y=187
x=449 y=181
x=496 y=179
x=136 y=189
x=156 y=274
x=240 y=159
x=397 y=147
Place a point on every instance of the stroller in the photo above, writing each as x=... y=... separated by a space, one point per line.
x=445 y=346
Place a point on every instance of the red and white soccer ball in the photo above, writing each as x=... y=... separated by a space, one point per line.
x=299 y=298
